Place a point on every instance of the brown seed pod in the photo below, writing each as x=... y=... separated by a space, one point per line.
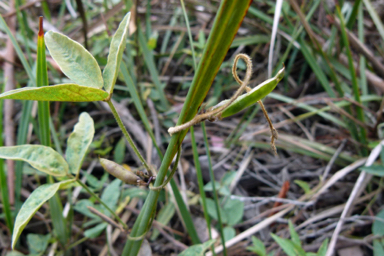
x=120 y=172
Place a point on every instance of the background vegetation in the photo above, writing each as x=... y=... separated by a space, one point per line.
x=326 y=178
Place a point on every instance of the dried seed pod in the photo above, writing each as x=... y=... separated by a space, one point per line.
x=120 y=172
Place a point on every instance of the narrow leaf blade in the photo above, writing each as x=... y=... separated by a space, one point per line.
x=43 y=158
x=74 y=60
x=115 y=54
x=38 y=197
x=79 y=141
x=59 y=92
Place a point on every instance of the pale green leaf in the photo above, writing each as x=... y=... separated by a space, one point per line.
x=378 y=247
x=287 y=245
x=59 y=92
x=74 y=60
x=304 y=185
x=377 y=170
x=258 y=247
x=119 y=152
x=229 y=233
x=234 y=210
x=115 y=55
x=111 y=195
x=79 y=141
x=43 y=158
x=378 y=224
x=323 y=248
x=96 y=230
x=38 y=197
x=197 y=250
x=294 y=236
x=37 y=243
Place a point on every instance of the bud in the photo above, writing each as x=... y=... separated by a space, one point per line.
x=120 y=172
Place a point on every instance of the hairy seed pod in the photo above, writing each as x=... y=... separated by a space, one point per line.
x=120 y=172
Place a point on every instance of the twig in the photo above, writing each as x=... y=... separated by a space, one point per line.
x=270 y=199
x=333 y=159
x=116 y=233
x=106 y=218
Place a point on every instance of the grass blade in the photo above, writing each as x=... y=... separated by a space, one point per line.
x=3 y=181
x=214 y=192
x=376 y=19
x=356 y=90
x=56 y=208
x=149 y=61
x=200 y=181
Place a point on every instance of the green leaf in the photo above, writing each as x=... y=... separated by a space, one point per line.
x=382 y=154
x=74 y=60
x=211 y=208
x=377 y=170
x=251 y=97
x=150 y=62
x=294 y=236
x=378 y=224
x=288 y=246
x=37 y=243
x=197 y=250
x=79 y=141
x=209 y=186
x=38 y=197
x=234 y=210
x=111 y=195
x=164 y=216
x=258 y=247
x=82 y=207
x=115 y=55
x=304 y=185
x=119 y=153
x=96 y=230
x=323 y=248
x=58 y=92
x=229 y=233
x=43 y=158
x=378 y=247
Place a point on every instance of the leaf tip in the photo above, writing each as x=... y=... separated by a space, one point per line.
x=41 y=31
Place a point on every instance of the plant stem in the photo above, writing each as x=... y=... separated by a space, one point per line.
x=101 y=202
x=127 y=136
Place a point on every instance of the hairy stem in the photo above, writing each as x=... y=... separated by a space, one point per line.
x=126 y=134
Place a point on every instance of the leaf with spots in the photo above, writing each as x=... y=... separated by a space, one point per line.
x=116 y=50
x=59 y=92
x=79 y=141
x=38 y=197
x=43 y=158
x=74 y=60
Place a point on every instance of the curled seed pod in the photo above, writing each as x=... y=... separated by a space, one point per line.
x=120 y=172
x=252 y=96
